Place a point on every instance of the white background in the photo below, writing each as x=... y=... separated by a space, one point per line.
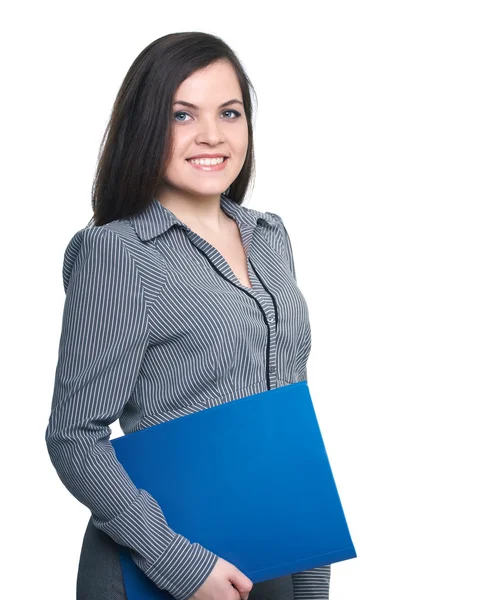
x=368 y=144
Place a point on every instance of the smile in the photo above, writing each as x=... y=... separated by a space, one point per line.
x=206 y=164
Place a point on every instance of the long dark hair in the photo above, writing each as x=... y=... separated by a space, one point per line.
x=136 y=145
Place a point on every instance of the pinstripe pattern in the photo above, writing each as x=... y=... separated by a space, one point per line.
x=156 y=326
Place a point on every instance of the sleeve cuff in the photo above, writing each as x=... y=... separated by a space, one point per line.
x=182 y=568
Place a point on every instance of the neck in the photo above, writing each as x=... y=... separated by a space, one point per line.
x=195 y=210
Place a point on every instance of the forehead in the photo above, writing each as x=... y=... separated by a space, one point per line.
x=209 y=86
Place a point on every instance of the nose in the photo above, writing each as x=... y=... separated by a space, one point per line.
x=210 y=131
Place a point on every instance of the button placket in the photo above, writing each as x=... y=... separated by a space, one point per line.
x=273 y=355
x=268 y=308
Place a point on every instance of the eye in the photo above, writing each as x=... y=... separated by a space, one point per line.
x=180 y=113
x=234 y=112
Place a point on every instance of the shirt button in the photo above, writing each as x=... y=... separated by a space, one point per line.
x=272 y=369
x=270 y=319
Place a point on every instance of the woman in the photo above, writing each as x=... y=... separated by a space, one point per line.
x=177 y=299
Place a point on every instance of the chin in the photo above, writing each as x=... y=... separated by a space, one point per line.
x=206 y=191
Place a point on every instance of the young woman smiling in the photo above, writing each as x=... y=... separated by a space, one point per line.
x=178 y=299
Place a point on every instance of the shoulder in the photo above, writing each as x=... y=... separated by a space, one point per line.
x=95 y=248
x=265 y=217
x=275 y=219
x=101 y=240
x=115 y=251
x=272 y=219
x=275 y=229
x=280 y=239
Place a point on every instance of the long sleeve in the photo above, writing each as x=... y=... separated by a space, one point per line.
x=312 y=584
x=104 y=336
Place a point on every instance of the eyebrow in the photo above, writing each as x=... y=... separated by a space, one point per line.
x=190 y=105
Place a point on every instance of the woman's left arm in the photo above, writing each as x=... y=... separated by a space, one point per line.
x=314 y=583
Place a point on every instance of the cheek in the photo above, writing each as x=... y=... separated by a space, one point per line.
x=241 y=152
x=181 y=142
x=244 y=143
x=175 y=173
x=179 y=152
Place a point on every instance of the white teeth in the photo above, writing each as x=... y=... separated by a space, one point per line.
x=207 y=161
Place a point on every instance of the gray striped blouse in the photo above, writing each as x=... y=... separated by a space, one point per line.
x=156 y=326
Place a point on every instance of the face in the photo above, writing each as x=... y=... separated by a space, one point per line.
x=208 y=118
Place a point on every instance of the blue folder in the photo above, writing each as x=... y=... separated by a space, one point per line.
x=249 y=480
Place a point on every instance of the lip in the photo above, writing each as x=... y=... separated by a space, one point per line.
x=206 y=168
x=208 y=156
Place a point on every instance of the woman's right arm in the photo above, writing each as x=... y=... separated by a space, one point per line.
x=104 y=336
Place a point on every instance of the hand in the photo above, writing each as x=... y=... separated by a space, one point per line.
x=225 y=582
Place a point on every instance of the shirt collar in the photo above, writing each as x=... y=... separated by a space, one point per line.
x=155 y=218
